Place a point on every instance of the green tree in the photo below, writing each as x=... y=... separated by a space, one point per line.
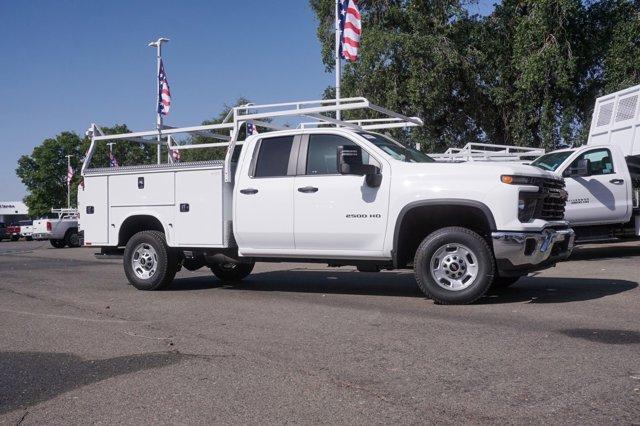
x=44 y=172
x=527 y=74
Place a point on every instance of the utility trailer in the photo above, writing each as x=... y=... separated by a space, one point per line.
x=333 y=191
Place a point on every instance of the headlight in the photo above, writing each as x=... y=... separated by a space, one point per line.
x=526 y=208
x=518 y=180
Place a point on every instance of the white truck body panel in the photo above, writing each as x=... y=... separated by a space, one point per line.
x=111 y=196
x=616 y=121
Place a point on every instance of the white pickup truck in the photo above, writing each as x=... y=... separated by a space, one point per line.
x=341 y=195
x=60 y=232
x=603 y=177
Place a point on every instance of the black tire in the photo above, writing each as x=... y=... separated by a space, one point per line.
x=28 y=238
x=504 y=282
x=57 y=243
x=15 y=237
x=232 y=272
x=165 y=260
x=71 y=238
x=439 y=242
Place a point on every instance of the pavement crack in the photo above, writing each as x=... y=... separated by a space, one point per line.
x=22 y=418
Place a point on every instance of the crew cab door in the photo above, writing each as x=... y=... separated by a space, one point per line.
x=600 y=197
x=337 y=213
x=263 y=197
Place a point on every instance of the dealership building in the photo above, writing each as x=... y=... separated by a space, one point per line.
x=13 y=211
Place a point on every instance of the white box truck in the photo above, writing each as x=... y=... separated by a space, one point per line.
x=337 y=193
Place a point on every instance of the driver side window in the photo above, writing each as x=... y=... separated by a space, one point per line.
x=600 y=162
x=322 y=154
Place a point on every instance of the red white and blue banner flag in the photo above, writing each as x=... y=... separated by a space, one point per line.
x=350 y=29
x=112 y=160
x=164 y=94
x=69 y=174
x=251 y=129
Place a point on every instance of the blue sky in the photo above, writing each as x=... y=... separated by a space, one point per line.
x=66 y=64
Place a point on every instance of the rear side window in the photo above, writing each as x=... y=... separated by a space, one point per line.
x=273 y=157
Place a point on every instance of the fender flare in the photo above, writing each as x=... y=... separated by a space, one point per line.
x=435 y=203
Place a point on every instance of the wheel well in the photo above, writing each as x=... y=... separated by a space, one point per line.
x=417 y=222
x=134 y=224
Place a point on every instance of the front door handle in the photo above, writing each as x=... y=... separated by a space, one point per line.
x=308 y=189
x=249 y=191
x=617 y=181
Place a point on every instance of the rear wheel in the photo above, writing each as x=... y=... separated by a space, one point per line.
x=71 y=238
x=149 y=263
x=57 y=243
x=15 y=237
x=232 y=272
x=454 y=265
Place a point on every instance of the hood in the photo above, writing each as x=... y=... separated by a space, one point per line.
x=481 y=168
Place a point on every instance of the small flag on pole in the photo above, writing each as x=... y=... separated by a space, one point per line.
x=350 y=30
x=175 y=155
x=69 y=174
x=251 y=129
x=112 y=160
x=164 y=94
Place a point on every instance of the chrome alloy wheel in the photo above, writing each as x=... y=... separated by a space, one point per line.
x=454 y=267
x=144 y=261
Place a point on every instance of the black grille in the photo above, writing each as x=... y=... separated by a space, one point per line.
x=554 y=198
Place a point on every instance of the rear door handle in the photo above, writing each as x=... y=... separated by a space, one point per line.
x=308 y=189
x=617 y=181
x=249 y=191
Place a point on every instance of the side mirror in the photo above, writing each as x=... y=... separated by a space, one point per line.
x=350 y=163
x=581 y=167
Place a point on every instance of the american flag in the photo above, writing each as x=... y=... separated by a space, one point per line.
x=350 y=29
x=113 y=162
x=175 y=155
x=164 y=94
x=251 y=129
x=69 y=174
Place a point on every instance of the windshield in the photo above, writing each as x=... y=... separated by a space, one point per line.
x=395 y=149
x=552 y=160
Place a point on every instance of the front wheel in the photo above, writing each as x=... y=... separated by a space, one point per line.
x=454 y=265
x=57 y=243
x=232 y=272
x=149 y=263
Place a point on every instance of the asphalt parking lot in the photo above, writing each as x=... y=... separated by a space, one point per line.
x=302 y=343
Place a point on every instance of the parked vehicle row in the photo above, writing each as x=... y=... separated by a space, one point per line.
x=15 y=231
x=341 y=195
x=61 y=232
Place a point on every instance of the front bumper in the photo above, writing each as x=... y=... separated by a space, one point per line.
x=518 y=253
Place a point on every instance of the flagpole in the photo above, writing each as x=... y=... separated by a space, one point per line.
x=68 y=181
x=158 y=45
x=338 y=61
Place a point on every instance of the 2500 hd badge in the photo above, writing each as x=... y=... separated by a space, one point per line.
x=364 y=216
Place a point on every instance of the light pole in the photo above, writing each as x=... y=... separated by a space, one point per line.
x=158 y=45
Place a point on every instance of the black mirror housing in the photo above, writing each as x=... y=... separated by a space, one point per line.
x=350 y=163
x=581 y=168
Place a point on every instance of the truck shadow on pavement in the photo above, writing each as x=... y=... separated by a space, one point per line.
x=402 y=284
x=28 y=378
x=605 y=252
